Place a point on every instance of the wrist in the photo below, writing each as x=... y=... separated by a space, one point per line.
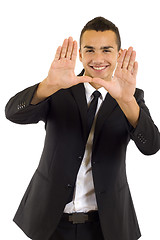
x=45 y=89
x=127 y=102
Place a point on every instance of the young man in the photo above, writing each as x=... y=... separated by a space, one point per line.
x=80 y=189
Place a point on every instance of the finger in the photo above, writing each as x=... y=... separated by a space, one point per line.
x=127 y=58
x=74 y=51
x=64 y=49
x=58 y=53
x=70 y=47
x=83 y=79
x=135 y=69
x=131 y=61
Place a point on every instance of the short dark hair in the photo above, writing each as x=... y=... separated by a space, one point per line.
x=101 y=24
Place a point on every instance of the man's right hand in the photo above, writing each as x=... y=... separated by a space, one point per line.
x=61 y=73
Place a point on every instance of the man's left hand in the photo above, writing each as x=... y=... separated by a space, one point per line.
x=123 y=84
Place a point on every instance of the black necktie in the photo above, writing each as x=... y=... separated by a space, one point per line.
x=92 y=110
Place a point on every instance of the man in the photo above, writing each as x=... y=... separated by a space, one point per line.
x=80 y=189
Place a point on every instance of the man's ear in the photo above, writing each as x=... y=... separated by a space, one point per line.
x=120 y=52
x=80 y=55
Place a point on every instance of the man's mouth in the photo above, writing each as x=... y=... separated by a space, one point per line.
x=99 y=68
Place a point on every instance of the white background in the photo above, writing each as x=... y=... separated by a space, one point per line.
x=31 y=31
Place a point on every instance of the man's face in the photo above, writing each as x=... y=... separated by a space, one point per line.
x=99 y=53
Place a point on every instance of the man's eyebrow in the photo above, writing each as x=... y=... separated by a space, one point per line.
x=106 y=47
x=90 y=47
x=102 y=48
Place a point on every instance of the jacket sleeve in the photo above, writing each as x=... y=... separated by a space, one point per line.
x=146 y=135
x=20 y=110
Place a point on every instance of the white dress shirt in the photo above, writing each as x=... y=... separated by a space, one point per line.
x=84 y=199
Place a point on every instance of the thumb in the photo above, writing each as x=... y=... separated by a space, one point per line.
x=101 y=82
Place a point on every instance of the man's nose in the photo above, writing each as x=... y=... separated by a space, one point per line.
x=98 y=58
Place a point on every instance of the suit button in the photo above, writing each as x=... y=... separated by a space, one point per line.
x=80 y=157
x=69 y=185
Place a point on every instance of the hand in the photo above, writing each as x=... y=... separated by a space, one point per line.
x=123 y=84
x=61 y=73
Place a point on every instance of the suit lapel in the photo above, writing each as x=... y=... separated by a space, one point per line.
x=106 y=109
x=79 y=95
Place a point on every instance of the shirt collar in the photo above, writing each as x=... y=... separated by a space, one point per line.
x=89 y=89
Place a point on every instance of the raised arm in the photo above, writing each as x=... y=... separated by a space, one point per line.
x=122 y=87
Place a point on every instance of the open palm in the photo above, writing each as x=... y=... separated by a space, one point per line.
x=61 y=73
x=123 y=84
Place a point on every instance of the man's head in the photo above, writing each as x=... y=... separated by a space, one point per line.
x=99 y=48
x=101 y=24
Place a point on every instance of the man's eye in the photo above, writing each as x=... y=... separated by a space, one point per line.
x=90 y=50
x=106 y=51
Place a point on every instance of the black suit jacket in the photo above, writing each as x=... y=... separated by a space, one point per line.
x=53 y=182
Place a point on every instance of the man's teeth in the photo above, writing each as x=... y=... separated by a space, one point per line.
x=99 y=68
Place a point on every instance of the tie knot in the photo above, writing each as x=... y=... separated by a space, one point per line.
x=96 y=94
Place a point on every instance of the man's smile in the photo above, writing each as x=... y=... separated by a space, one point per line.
x=99 y=68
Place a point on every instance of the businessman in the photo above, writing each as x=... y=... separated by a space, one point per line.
x=79 y=190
